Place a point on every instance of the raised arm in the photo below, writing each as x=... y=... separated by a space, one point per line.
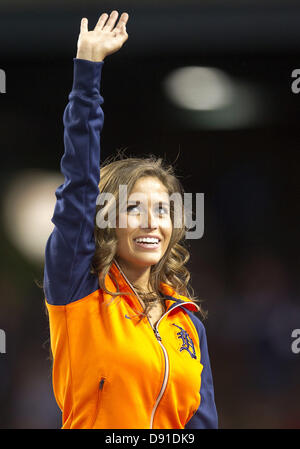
x=70 y=247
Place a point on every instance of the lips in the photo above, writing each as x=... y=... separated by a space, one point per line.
x=147 y=246
x=148 y=237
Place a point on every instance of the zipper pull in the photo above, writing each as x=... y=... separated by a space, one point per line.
x=157 y=334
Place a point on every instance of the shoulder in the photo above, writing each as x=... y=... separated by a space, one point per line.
x=193 y=315
x=191 y=309
x=196 y=321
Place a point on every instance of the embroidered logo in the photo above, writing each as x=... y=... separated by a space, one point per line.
x=187 y=342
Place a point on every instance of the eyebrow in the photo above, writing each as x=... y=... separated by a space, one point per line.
x=164 y=203
x=133 y=202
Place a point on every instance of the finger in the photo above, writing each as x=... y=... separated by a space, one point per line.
x=111 y=21
x=123 y=30
x=121 y=33
x=122 y=21
x=84 y=25
x=101 y=22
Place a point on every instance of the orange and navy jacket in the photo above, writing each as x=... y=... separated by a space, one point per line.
x=112 y=370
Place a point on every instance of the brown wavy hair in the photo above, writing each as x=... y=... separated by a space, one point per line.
x=123 y=170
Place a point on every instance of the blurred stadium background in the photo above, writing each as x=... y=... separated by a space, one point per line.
x=208 y=84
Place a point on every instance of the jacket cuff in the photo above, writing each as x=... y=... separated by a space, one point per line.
x=87 y=76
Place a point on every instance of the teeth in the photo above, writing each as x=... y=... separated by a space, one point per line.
x=147 y=240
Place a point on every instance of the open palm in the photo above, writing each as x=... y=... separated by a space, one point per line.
x=105 y=39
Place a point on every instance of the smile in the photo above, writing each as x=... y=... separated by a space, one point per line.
x=147 y=243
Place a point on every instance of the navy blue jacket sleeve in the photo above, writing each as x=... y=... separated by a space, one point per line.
x=206 y=416
x=71 y=246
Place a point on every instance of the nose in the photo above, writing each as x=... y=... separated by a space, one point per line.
x=149 y=220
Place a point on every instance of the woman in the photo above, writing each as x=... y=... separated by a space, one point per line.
x=128 y=352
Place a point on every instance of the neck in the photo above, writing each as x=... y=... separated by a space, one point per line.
x=138 y=276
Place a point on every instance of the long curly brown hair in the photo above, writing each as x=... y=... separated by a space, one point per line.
x=123 y=170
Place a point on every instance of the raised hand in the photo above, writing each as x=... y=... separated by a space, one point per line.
x=105 y=39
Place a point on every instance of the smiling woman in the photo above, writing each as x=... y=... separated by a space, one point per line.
x=146 y=213
x=128 y=350
x=145 y=240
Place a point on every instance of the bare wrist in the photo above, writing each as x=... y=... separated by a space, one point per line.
x=88 y=55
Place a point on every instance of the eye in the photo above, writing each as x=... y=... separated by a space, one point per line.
x=131 y=208
x=162 y=210
x=137 y=208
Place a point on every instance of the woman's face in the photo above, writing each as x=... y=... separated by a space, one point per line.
x=147 y=216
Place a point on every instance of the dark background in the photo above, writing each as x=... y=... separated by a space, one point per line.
x=246 y=266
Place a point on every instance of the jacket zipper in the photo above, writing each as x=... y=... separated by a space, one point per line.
x=158 y=337
x=156 y=333
x=101 y=383
x=100 y=388
x=167 y=365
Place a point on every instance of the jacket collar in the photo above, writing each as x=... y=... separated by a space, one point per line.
x=172 y=297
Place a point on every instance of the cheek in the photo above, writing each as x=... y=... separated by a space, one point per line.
x=133 y=222
x=168 y=230
x=122 y=238
x=124 y=233
x=169 y=238
x=128 y=222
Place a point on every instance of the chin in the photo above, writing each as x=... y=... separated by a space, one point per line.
x=146 y=260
